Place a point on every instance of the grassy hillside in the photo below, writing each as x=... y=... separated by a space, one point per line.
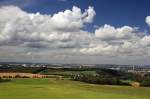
x=65 y=89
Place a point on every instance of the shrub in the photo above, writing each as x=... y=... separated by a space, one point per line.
x=17 y=76
x=135 y=84
x=25 y=77
x=4 y=80
x=145 y=83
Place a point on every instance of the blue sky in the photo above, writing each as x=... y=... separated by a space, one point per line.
x=113 y=12
x=75 y=31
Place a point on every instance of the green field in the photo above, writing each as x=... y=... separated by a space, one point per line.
x=65 y=89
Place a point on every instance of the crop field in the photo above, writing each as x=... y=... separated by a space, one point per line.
x=23 y=75
x=37 y=88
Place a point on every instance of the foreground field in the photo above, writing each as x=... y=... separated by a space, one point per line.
x=65 y=89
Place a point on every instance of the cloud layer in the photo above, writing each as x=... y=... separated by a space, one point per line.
x=33 y=35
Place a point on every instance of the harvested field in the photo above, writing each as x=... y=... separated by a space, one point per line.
x=25 y=75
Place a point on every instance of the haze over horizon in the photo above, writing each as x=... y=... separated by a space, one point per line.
x=75 y=31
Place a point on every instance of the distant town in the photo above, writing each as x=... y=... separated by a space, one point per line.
x=143 y=70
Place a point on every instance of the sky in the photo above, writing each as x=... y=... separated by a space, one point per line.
x=75 y=31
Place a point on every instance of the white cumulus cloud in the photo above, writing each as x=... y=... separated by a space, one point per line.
x=147 y=20
x=19 y=27
x=108 y=32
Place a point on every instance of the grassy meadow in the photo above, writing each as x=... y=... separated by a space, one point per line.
x=65 y=89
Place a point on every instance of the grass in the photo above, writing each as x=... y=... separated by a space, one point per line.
x=65 y=89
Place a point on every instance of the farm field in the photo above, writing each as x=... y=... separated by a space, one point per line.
x=29 y=88
x=65 y=89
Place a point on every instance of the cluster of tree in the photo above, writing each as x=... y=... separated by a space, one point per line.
x=113 y=77
x=4 y=80
x=145 y=82
x=21 y=69
x=99 y=80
